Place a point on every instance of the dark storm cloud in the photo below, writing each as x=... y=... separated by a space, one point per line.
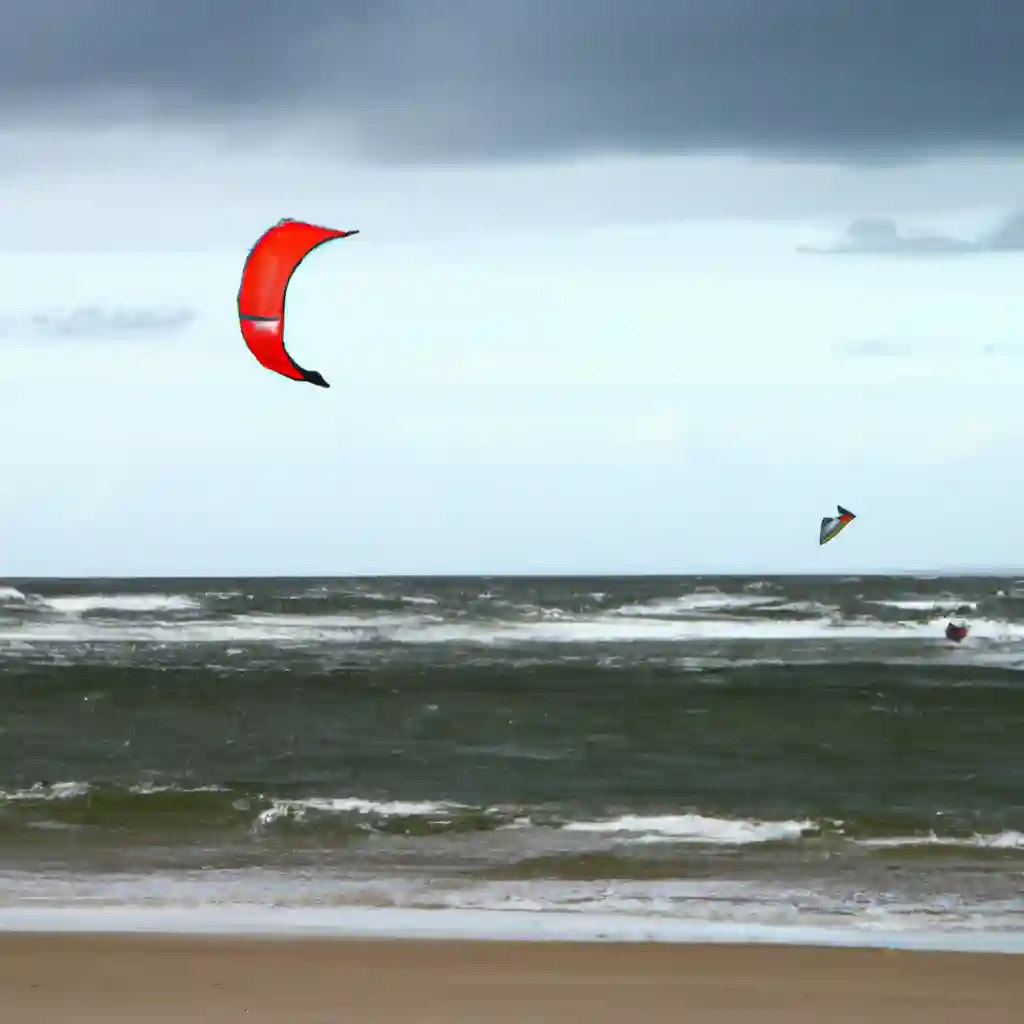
x=496 y=79
x=92 y=322
x=883 y=237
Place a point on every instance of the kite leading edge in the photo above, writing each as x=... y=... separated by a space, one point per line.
x=831 y=526
x=266 y=274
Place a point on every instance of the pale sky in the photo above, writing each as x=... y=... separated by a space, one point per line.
x=566 y=339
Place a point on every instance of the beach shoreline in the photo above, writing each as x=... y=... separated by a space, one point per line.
x=357 y=923
x=47 y=978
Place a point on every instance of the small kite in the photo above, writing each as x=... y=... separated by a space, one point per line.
x=832 y=525
x=265 y=277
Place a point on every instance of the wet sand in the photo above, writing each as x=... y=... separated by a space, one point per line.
x=148 y=979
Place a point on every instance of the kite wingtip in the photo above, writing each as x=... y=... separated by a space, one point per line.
x=312 y=377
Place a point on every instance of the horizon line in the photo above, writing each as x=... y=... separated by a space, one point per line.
x=970 y=571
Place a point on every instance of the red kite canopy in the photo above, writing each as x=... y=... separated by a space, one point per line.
x=265 y=278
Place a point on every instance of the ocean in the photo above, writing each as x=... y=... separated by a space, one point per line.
x=755 y=751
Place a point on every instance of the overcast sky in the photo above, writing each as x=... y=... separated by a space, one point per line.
x=580 y=330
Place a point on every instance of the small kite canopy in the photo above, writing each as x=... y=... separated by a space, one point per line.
x=261 y=295
x=831 y=526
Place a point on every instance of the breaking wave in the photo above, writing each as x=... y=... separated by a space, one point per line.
x=695 y=828
x=146 y=804
x=488 y=613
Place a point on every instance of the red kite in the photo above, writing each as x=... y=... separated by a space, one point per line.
x=265 y=277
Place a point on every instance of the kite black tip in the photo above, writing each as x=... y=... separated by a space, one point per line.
x=312 y=377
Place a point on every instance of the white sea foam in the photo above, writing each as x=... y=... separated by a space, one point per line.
x=688 y=828
x=148 y=788
x=694 y=828
x=1008 y=840
x=423 y=629
x=806 y=607
x=272 y=902
x=41 y=791
x=298 y=809
x=687 y=604
x=240 y=629
x=327 y=593
x=607 y=629
x=80 y=604
x=72 y=790
x=931 y=604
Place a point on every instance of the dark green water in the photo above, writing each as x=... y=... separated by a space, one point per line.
x=810 y=732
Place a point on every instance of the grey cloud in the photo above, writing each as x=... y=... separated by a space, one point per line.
x=880 y=348
x=92 y=322
x=1002 y=349
x=838 y=80
x=874 y=349
x=1007 y=237
x=881 y=236
x=876 y=235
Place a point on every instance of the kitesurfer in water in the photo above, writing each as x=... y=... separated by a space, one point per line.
x=955 y=633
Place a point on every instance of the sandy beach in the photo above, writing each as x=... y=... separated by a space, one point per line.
x=46 y=979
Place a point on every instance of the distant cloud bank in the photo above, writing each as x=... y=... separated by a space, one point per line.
x=882 y=236
x=97 y=323
x=881 y=348
x=875 y=349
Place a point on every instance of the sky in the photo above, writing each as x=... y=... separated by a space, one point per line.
x=638 y=288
